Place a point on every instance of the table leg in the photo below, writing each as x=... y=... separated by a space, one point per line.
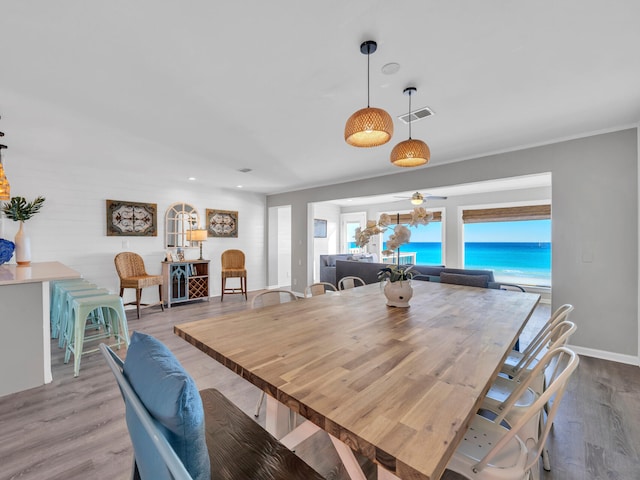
x=299 y=434
x=384 y=474
x=277 y=421
x=349 y=460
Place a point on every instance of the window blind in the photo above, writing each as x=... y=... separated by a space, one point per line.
x=507 y=214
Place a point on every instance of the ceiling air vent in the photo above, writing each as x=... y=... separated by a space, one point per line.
x=247 y=170
x=417 y=115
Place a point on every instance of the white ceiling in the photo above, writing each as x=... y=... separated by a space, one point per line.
x=269 y=85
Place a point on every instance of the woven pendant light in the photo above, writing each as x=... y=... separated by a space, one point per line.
x=410 y=153
x=5 y=188
x=368 y=127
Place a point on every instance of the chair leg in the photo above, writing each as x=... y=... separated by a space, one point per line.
x=121 y=292
x=138 y=298
x=160 y=294
x=224 y=284
x=78 y=342
x=135 y=474
x=546 y=463
x=259 y=405
x=243 y=280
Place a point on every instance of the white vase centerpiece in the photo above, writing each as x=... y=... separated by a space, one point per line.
x=397 y=285
x=19 y=210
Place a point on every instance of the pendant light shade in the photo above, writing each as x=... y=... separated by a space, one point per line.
x=5 y=188
x=410 y=153
x=368 y=127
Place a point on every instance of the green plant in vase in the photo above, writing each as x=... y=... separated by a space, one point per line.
x=19 y=210
x=395 y=273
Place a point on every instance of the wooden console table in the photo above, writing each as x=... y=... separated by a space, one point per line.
x=185 y=281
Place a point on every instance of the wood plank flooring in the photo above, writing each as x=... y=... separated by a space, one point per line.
x=74 y=428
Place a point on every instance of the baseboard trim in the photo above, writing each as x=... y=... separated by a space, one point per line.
x=604 y=355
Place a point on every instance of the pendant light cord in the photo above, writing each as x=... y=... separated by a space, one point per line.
x=368 y=68
x=410 y=115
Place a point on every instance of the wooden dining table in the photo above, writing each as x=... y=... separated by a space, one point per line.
x=397 y=385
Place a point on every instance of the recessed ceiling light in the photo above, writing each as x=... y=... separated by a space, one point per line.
x=192 y=178
x=238 y=186
x=244 y=170
x=390 y=68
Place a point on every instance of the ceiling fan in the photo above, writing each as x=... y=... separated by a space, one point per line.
x=418 y=198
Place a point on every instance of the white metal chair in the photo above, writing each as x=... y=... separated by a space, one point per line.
x=350 y=282
x=516 y=397
x=561 y=313
x=518 y=364
x=515 y=357
x=272 y=297
x=491 y=451
x=263 y=299
x=319 y=288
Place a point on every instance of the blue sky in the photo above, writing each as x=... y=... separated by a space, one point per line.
x=524 y=231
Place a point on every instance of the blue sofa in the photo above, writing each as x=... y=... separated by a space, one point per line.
x=328 y=264
x=368 y=271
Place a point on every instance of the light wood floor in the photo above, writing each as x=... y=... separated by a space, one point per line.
x=74 y=428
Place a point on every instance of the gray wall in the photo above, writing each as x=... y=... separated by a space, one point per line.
x=594 y=232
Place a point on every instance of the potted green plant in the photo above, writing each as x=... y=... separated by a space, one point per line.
x=19 y=210
x=395 y=273
x=397 y=285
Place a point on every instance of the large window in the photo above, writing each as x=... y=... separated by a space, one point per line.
x=425 y=247
x=349 y=223
x=514 y=242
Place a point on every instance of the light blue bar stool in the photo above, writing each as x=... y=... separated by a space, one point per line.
x=115 y=325
x=57 y=302
x=54 y=291
x=66 y=313
x=58 y=305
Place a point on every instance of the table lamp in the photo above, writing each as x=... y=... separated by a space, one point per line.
x=197 y=235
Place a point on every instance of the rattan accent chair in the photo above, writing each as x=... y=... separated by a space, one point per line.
x=233 y=267
x=130 y=268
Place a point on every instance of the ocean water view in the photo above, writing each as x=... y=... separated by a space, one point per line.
x=528 y=263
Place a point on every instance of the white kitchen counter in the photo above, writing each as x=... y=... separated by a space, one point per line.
x=25 y=356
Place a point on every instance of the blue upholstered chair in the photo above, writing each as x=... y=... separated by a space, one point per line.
x=180 y=433
x=164 y=412
x=158 y=445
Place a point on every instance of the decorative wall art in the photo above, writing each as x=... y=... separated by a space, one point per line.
x=132 y=219
x=319 y=228
x=222 y=223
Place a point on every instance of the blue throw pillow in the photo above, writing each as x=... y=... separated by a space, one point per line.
x=467 y=280
x=172 y=398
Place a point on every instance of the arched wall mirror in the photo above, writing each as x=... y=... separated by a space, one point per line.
x=180 y=218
